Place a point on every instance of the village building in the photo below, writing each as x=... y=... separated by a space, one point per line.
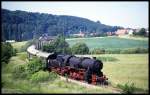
x=10 y=41
x=44 y=40
x=80 y=34
x=121 y=32
x=130 y=32
x=110 y=33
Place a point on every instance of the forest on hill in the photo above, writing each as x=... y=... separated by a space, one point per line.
x=21 y=25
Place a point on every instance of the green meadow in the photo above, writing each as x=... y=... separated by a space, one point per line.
x=110 y=43
x=119 y=68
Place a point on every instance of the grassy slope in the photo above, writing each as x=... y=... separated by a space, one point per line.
x=11 y=85
x=18 y=45
x=135 y=70
x=109 y=42
x=129 y=68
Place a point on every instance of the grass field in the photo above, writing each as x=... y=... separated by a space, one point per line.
x=11 y=85
x=18 y=45
x=133 y=37
x=110 y=43
x=129 y=68
x=125 y=68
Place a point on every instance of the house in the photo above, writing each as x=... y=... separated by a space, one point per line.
x=121 y=32
x=10 y=41
x=80 y=34
x=110 y=33
x=130 y=32
x=43 y=40
x=93 y=34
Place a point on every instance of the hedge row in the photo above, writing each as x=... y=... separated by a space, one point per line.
x=120 y=51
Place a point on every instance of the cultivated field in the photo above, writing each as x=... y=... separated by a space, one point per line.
x=110 y=42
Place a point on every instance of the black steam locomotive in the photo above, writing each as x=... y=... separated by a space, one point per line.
x=78 y=68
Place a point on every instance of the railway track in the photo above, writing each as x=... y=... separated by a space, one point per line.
x=31 y=50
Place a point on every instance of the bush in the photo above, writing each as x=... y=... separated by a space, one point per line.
x=40 y=76
x=127 y=88
x=19 y=71
x=120 y=51
x=48 y=48
x=115 y=51
x=134 y=51
x=35 y=65
x=52 y=76
x=141 y=32
x=80 y=48
x=7 y=51
x=98 y=51
x=59 y=45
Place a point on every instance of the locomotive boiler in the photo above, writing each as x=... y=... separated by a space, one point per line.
x=77 y=68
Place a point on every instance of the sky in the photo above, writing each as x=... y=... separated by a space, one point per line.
x=126 y=14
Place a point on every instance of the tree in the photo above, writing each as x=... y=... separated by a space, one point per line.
x=21 y=25
x=59 y=45
x=7 y=52
x=141 y=32
x=48 y=48
x=80 y=48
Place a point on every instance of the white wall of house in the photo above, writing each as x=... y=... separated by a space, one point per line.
x=10 y=41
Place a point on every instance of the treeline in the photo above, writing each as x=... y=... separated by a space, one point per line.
x=20 y=25
x=61 y=46
x=141 y=32
x=120 y=51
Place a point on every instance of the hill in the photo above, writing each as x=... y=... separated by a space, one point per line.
x=21 y=25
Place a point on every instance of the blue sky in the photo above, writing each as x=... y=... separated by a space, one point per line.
x=126 y=14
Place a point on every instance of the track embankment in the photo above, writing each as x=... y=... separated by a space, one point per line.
x=84 y=84
x=32 y=50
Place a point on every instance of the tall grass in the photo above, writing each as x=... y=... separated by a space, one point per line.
x=129 y=67
x=11 y=84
